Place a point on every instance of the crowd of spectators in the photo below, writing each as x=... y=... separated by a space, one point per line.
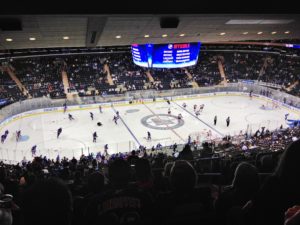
x=282 y=70
x=9 y=91
x=125 y=74
x=87 y=75
x=206 y=71
x=240 y=186
x=239 y=65
x=41 y=76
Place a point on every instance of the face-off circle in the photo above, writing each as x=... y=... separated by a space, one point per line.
x=162 y=122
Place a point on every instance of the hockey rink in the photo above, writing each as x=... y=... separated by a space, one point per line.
x=135 y=120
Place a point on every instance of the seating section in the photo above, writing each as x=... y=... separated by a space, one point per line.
x=206 y=71
x=125 y=73
x=86 y=74
x=41 y=76
x=156 y=188
x=9 y=91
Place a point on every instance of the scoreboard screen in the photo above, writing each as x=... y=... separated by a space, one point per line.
x=166 y=55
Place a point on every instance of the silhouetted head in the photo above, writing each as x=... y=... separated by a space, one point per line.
x=47 y=202
x=246 y=178
x=167 y=168
x=183 y=176
x=119 y=172
x=288 y=169
x=143 y=170
x=95 y=182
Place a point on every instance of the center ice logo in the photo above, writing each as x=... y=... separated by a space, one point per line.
x=162 y=122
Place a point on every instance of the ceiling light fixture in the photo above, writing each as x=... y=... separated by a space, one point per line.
x=287 y=32
x=147 y=35
x=32 y=39
x=222 y=34
x=245 y=33
x=182 y=35
x=164 y=35
x=66 y=38
x=9 y=39
x=274 y=32
x=259 y=32
x=118 y=36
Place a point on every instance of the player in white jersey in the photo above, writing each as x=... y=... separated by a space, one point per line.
x=201 y=107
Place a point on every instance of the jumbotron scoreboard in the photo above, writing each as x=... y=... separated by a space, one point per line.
x=165 y=55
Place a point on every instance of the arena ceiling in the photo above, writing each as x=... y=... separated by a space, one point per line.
x=48 y=31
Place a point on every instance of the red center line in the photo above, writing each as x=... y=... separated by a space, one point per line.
x=166 y=124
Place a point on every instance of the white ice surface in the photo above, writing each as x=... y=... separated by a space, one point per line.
x=129 y=133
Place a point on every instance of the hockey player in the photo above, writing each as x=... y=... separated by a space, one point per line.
x=197 y=113
x=184 y=105
x=250 y=94
x=228 y=121
x=149 y=135
x=92 y=115
x=195 y=107
x=59 y=132
x=179 y=117
x=6 y=132
x=286 y=116
x=115 y=119
x=118 y=114
x=95 y=136
x=189 y=139
x=3 y=137
x=100 y=108
x=168 y=101
x=201 y=107
x=18 y=135
x=70 y=117
x=105 y=149
x=169 y=111
x=33 y=151
x=65 y=107
x=215 y=120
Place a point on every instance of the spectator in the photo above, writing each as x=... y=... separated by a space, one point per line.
x=47 y=202
x=280 y=191
x=244 y=185
x=186 y=153
x=122 y=203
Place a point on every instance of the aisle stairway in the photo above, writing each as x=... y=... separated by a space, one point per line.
x=291 y=87
x=14 y=77
x=263 y=68
x=190 y=77
x=150 y=78
x=109 y=78
x=222 y=72
x=65 y=80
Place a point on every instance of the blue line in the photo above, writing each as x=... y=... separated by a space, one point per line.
x=127 y=127
x=199 y=119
